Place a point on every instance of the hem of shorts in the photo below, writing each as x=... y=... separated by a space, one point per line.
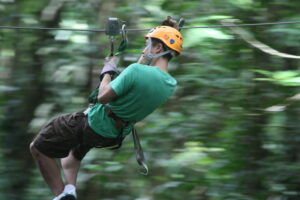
x=45 y=152
x=104 y=136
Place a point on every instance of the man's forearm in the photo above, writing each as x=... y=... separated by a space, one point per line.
x=105 y=81
x=106 y=94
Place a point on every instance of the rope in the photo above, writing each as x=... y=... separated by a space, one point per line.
x=146 y=29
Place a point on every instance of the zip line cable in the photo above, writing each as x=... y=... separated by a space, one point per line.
x=242 y=25
x=51 y=29
x=235 y=27
x=146 y=29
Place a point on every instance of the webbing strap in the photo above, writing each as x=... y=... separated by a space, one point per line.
x=140 y=158
x=122 y=47
x=124 y=43
x=150 y=56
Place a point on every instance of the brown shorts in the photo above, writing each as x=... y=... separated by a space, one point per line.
x=70 y=132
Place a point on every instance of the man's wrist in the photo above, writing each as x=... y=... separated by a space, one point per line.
x=107 y=77
x=107 y=74
x=110 y=74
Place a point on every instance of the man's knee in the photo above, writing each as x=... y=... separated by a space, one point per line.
x=33 y=149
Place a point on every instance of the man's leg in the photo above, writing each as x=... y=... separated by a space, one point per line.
x=71 y=167
x=49 y=170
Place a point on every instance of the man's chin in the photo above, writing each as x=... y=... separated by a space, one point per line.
x=141 y=61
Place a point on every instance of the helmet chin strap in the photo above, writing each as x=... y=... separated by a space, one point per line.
x=150 y=56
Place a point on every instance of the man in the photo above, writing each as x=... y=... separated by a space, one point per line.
x=122 y=102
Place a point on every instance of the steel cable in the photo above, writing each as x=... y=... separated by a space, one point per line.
x=146 y=29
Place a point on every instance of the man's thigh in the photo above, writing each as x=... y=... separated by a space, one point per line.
x=60 y=135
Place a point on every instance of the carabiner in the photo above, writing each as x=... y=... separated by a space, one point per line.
x=124 y=32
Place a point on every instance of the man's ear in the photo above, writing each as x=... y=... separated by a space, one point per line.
x=159 y=48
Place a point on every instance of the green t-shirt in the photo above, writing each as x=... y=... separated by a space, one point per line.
x=140 y=89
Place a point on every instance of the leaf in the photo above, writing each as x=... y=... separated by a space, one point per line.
x=264 y=72
x=285 y=78
x=284 y=74
x=291 y=82
x=246 y=4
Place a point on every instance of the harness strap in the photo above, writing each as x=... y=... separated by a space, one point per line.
x=120 y=124
x=150 y=56
x=139 y=154
x=140 y=158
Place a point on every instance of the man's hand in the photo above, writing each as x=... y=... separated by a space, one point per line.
x=110 y=67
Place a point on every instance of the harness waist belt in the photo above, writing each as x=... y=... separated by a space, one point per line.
x=120 y=123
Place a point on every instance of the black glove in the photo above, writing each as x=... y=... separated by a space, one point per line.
x=110 y=67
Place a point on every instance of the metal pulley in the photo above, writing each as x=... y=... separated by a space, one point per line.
x=113 y=27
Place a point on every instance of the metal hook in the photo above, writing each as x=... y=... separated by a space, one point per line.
x=124 y=32
x=144 y=172
x=112 y=41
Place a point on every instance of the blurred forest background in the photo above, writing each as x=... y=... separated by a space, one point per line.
x=231 y=131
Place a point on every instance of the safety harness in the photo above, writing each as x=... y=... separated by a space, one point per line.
x=121 y=124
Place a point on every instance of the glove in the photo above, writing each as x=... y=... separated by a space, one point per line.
x=110 y=67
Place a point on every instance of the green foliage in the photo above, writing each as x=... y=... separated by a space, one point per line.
x=230 y=132
x=207 y=33
x=285 y=78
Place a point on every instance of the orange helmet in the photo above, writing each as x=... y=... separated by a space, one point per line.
x=170 y=36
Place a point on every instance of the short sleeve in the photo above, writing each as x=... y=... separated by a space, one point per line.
x=122 y=84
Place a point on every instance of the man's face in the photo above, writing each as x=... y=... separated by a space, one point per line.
x=144 y=54
x=154 y=50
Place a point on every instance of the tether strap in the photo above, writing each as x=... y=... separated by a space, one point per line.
x=150 y=56
x=140 y=158
x=123 y=45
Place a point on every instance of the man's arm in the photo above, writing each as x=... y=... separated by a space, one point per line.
x=106 y=93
